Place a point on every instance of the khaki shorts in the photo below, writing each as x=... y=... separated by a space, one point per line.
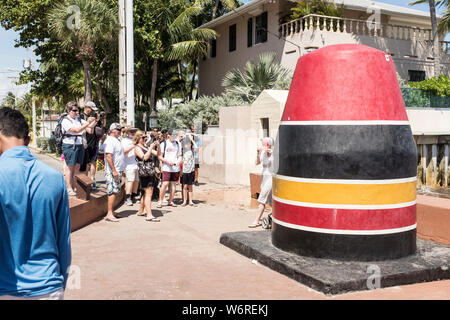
x=132 y=175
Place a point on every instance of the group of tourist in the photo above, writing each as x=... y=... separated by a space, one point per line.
x=150 y=161
x=32 y=194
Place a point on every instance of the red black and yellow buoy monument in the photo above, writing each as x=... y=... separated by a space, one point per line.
x=345 y=181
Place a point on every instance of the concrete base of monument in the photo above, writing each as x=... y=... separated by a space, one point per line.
x=430 y=263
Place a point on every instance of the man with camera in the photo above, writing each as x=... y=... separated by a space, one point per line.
x=91 y=140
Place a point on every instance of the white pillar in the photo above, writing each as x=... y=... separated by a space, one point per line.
x=434 y=154
x=130 y=63
x=424 y=163
x=122 y=61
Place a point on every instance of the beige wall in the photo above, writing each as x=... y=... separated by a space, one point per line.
x=229 y=156
x=212 y=70
x=270 y=104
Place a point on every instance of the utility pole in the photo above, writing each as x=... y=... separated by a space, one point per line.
x=29 y=63
x=33 y=106
x=122 y=63
x=130 y=63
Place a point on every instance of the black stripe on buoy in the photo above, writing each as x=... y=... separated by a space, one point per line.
x=369 y=152
x=343 y=246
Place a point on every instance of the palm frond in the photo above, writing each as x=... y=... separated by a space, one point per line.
x=187 y=50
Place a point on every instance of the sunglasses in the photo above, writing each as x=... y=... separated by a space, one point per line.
x=75 y=110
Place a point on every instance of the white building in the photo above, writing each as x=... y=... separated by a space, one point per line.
x=263 y=26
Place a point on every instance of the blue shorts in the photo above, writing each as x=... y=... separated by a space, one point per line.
x=73 y=155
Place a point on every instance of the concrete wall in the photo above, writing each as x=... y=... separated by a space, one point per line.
x=427 y=121
x=270 y=104
x=229 y=155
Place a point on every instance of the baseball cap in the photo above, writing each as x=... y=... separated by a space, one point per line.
x=131 y=129
x=116 y=126
x=91 y=105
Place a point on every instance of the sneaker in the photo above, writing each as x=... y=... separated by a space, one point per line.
x=129 y=202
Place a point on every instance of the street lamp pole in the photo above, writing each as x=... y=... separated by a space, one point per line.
x=130 y=63
x=122 y=63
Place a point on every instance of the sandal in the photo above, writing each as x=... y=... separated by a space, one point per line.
x=172 y=205
x=141 y=215
x=255 y=225
x=154 y=219
x=112 y=220
x=71 y=193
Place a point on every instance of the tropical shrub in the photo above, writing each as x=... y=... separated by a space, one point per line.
x=439 y=86
x=205 y=110
x=257 y=76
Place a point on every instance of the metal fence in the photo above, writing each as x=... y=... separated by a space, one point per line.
x=417 y=98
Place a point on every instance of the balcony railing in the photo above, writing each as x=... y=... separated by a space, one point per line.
x=361 y=27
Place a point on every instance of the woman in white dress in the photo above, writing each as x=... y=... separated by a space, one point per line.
x=265 y=157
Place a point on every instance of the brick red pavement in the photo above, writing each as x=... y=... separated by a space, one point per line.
x=181 y=258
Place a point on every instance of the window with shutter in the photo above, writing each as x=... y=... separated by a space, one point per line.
x=232 y=38
x=261 y=28
x=250 y=32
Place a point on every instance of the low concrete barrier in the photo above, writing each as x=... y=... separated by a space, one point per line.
x=433 y=219
x=83 y=213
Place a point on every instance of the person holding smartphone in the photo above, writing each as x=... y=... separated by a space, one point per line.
x=265 y=158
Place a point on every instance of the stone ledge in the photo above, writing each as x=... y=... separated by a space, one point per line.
x=83 y=213
x=430 y=263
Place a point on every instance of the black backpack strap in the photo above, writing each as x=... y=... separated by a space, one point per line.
x=165 y=145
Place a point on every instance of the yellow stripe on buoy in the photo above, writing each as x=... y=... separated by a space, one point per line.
x=345 y=193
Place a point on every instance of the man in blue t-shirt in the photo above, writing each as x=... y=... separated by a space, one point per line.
x=35 y=252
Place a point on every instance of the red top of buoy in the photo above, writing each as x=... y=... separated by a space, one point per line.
x=345 y=82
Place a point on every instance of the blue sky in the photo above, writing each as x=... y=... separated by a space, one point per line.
x=11 y=57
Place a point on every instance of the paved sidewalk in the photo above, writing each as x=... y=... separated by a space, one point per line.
x=181 y=257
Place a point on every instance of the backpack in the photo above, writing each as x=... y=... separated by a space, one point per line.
x=58 y=136
x=165 y=145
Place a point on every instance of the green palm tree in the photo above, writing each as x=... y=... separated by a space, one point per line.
x=321 y=7
x=228 y=4
x=179 y=39
x=81 y=25
x=256 y=77
x=435 y=28
x=9 y=100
